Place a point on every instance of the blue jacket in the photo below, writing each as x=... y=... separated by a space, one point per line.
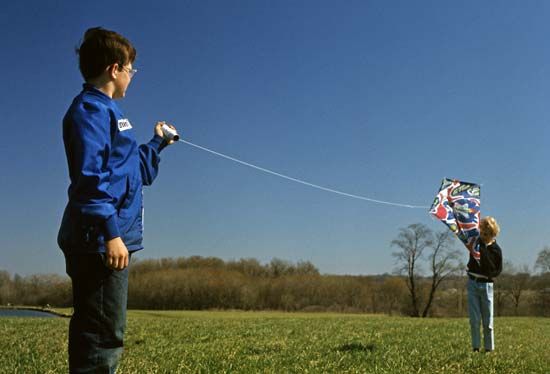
x=107 y=170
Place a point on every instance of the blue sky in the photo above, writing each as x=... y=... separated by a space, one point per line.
x=376 y=98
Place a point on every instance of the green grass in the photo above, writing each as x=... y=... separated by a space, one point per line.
x=252 y=342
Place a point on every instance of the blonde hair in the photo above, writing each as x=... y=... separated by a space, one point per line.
x=490 y=225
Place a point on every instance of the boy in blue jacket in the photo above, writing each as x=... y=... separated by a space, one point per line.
x=102 y=223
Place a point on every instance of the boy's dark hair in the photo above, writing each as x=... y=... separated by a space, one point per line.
x=101 y=48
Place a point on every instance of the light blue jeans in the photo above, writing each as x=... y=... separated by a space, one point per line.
x=480 y=310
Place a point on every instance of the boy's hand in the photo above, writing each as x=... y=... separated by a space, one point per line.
x=158 y=130
x=116 y=255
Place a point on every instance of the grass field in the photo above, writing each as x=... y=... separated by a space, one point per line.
x=258 y=342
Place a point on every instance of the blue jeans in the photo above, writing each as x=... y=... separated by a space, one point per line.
x=97 y=326
x=480 y=310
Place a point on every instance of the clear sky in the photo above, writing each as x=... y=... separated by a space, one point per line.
x=376 y=98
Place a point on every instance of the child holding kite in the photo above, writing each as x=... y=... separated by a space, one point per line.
x=481 y=274
x=457 y=206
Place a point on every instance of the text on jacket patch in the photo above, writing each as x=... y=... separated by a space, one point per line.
x=124 y=124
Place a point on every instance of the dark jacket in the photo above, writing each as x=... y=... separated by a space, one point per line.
x=482 y=266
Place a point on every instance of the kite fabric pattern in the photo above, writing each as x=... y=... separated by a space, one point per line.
x=457 y=206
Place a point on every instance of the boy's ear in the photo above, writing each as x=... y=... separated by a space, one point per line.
x=112 y=70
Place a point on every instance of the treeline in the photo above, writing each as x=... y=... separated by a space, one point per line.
x=198 y=283
x=210 y=283
x=35 y=290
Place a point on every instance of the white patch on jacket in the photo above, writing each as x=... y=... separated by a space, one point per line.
x=124 y=124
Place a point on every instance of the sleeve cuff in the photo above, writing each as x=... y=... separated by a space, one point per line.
x=111 y=228
x=158 y=143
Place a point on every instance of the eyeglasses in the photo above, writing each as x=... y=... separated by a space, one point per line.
x=130 y=72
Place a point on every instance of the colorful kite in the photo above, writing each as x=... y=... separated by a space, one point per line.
x=457 y=206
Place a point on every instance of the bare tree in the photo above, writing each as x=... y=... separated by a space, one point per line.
x=519 y=282
x=412 y=241
x=543 y=260
x=444 y=262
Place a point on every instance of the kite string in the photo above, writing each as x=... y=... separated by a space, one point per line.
x=302 y=181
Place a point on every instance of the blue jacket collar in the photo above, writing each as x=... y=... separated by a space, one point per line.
x=90 y=88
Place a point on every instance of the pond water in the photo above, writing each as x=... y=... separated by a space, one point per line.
x=24 y=313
